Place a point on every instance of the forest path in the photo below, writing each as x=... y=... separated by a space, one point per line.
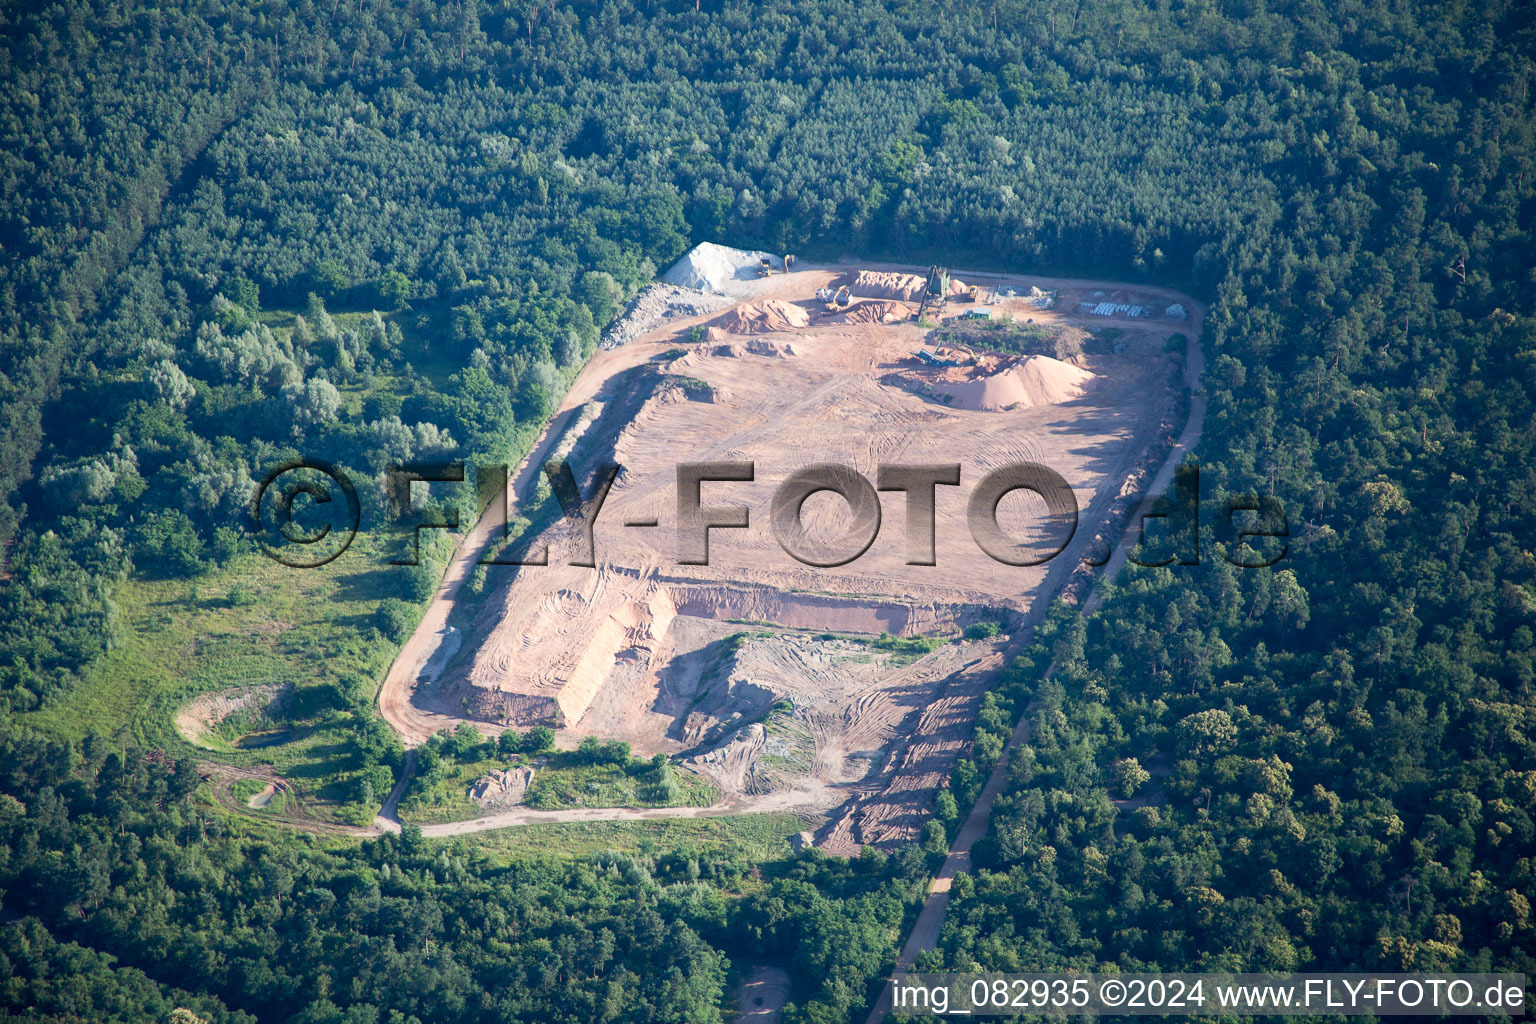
x=930 y=920
x=1194 y=368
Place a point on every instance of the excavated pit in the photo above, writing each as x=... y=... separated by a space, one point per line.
x=791 y=687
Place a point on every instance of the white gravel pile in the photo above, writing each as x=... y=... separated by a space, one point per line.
x=709 y=267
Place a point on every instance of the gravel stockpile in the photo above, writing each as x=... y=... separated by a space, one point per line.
x=710 y=267
x=1033 y=382
x=879 y=284
x=654 y=305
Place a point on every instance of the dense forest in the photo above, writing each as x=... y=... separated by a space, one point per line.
x=398 y=930
x=378 y=229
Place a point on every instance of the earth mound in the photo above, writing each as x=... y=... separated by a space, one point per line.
x=502 y=788
x=768 y=348
x=879 y=284
x=872 y=313
x=1048 y=381
x=1034 y=381
x=771 y=316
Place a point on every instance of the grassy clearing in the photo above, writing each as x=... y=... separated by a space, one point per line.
x=311 y=629
x=255 y=622
x=243 y=789
x=181 y=638
x=567 y=782
x=760 y=837
x=562 y=779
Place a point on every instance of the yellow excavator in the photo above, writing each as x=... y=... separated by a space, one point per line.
x=839 y=300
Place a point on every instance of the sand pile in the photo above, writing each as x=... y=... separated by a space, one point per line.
x=771 y=316
x=709 y=267
x=872 y=313
x=878 y=284
x=1049 y=381
x=1035 y=381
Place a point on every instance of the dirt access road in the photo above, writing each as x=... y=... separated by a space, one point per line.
x=930 y=920
x=1194 y=369
x=413 y=723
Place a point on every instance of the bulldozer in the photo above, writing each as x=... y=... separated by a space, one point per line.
x=765 y=267
x=971 y=294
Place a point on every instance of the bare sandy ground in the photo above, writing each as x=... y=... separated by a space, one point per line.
x=762 y=995
x=812 y=796
x=881 y=741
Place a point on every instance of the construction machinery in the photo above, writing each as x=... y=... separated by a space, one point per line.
x=971 y=294
x=765 y=267
x=789 y=262
x=836 y=301
x=935 y=291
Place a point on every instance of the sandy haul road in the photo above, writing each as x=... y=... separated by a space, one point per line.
x=889 y=804
x=930 y=920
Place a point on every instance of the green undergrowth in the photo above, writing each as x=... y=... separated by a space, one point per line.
x=759 y=837
x=324 y=637
x=594 y=775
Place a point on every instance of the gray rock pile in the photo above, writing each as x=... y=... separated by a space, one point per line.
x=499 y=788
x=656 y=304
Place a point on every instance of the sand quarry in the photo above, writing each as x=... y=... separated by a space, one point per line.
x=761 y=673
